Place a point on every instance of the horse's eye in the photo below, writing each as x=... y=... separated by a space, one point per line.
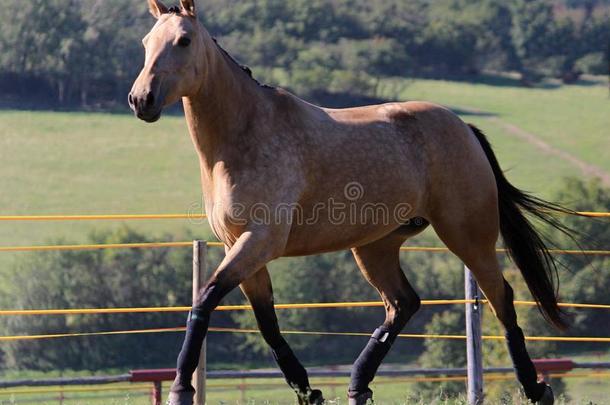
x=184 y=42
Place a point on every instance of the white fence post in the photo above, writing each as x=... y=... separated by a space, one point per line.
x=473 y=340
x=199 y=275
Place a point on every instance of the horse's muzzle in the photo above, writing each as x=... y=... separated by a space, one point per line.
x=144 y=106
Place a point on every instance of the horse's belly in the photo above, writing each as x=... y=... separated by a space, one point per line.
x=345 y=225
x=309 y=242
x=349 y=205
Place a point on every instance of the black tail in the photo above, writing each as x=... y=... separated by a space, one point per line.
x=524 y=244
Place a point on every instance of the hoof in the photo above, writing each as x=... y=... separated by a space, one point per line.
x=361 y=399
x=180 y=398
x=314 y=397
x=547 y=398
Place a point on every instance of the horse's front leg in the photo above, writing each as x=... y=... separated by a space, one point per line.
x=251 y=251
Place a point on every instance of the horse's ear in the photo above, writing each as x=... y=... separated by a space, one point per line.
x=189 y=7
x=157 y=8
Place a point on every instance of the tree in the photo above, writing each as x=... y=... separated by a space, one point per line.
x=587 y=5
x=107 y=64
x=39 y=45
x=531 y=24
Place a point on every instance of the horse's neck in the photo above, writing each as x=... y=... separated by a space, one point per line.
x=219 y=115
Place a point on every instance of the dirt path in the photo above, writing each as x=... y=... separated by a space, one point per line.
x=587 y=169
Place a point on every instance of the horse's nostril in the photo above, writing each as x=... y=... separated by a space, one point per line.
x=133 y=101
x=130 y=99
x=150 y=100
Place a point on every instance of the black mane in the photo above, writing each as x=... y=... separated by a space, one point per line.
x=245 y=68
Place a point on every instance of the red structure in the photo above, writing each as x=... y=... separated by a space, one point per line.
x=546 y=367
x=156 y=377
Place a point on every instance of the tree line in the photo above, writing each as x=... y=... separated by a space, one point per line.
x=87 y=52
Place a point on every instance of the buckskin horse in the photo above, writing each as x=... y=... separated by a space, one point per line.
x=262 y=147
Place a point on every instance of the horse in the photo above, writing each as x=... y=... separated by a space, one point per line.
x=283 y=177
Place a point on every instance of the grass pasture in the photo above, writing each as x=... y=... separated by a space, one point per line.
x=80 y=163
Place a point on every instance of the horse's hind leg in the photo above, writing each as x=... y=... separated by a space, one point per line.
x=379 y=263
x=259 y=292
x=474 y=243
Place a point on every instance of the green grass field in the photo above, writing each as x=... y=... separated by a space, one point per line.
x=78 y=163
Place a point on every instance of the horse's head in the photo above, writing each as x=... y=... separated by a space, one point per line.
x=174 y=49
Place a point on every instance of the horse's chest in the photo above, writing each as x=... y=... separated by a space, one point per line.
x=225 y=222
x=232 y=207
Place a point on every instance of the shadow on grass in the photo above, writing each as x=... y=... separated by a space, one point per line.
x=342 y=100
x=41 y=101
x=321 y=98
x=513 y=80
x=115 y=108
x=471 y=113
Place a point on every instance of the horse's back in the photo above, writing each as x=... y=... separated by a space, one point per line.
x=443 y=153
x=432 y=136
x=390 y=112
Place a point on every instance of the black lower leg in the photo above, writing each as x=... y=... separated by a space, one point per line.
x=188 y=359
x=196 y=329
x=293 y=370
x=524 y=368
x=370 y=358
